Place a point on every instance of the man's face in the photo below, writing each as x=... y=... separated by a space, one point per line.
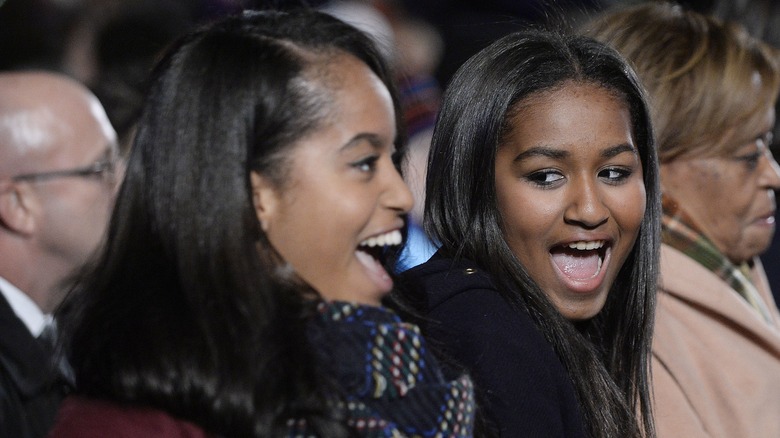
x=74 y=210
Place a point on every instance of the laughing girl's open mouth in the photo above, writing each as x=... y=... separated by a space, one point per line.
x=370 y=253
x=581 y=260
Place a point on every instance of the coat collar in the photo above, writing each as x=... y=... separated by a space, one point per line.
x=24 y=357
x=684 y=279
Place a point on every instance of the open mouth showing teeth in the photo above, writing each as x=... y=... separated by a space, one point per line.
x=375 y=246
x=371 y=254
x=580 y=260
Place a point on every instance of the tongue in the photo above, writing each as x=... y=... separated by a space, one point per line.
x=576 y=264
x=375 y=270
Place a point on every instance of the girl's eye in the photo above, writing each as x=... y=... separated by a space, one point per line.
x=367 y=164
x=545 y=178
x=615 y=175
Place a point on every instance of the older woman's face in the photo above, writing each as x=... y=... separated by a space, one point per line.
x=730 y=198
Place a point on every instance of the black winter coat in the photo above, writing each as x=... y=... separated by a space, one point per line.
x=521 y=384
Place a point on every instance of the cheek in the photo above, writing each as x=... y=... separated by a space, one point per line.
x=90 y=203
x=304 y=239
x=710 y=182
x=708 y=177
x=629 y=207
x=524 y=218
x=104 y=202
x=735 y=191
x=318 y=226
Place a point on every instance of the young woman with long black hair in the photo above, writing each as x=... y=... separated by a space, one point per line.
x=239 y=294
x=542 y=192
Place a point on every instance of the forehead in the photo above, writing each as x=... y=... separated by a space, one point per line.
x=358 y=110
x=87 y=134
x=352 y=91
x=29 y=129
x=63 y=134
x=571 y=113
x=344 y=76
x=746 y=133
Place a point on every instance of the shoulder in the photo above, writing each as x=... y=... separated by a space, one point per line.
x=90 y=418
x=465 y=314
x=464 y=310
x=681 y=273
x=441 y=279
x=519 y=378
x=30 y=385
x=461 y=293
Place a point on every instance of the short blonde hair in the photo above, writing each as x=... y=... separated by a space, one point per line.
x=709 y=82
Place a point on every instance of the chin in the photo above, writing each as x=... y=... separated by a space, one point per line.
x=582 y=316
x=747 y=255
x=584 y=309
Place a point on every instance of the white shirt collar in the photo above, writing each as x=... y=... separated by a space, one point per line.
x=24 y=308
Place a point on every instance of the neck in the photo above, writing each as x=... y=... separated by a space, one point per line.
x=37 y=276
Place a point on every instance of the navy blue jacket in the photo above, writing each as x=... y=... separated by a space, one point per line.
x=521 y=385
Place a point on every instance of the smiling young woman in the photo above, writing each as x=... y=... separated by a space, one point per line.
x=542 y=191
x=343 y=200
x=570 y=193
x=247 y=251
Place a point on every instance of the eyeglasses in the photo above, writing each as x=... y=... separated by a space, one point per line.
x=759 y=148
x=105 y=169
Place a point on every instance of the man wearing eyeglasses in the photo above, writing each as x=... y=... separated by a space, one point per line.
x=58 y=177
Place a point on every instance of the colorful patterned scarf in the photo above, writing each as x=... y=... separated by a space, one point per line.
x=681 y=233
x=391 y=384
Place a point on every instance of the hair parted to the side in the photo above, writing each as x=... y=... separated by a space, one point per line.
x=608 y=362
x=709 y=82
x=183 y=310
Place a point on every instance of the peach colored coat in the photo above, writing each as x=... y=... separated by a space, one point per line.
x=716 y=363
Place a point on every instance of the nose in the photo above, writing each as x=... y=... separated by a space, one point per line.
x=585 y=206
x=770 y=175
x=397 y=195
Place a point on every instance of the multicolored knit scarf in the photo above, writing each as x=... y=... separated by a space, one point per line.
x=391 y=383
x=681 y=233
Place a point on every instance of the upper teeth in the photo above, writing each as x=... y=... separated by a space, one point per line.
x=582 y=245
x=391 y=238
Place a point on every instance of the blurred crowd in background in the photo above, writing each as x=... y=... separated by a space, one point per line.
x=111 y=44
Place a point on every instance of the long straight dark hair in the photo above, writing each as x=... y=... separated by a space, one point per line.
x=184 y=310
x=608 y=361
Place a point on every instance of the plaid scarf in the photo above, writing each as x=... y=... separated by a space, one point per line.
x=681 y=233
x=392 y=385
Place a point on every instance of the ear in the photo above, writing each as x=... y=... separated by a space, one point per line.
x=265 y=198
x=17 y=208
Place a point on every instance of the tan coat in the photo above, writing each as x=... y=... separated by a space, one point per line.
x=716 y=363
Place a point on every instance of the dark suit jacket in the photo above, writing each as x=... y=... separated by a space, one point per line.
x=521 y=384
x=31 y=386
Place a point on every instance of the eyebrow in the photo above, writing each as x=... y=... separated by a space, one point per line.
x=373 y=139
x=558 y=154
